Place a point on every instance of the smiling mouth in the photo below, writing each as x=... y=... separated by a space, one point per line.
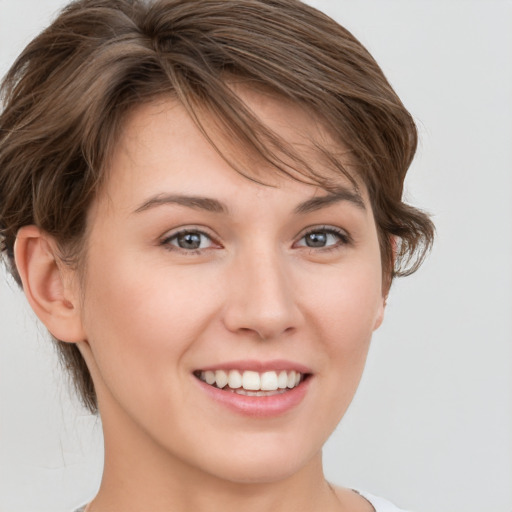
x=251 y=383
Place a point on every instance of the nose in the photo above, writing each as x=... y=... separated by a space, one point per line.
x=261 y=297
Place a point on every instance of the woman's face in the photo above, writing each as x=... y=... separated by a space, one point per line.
x=196 y=276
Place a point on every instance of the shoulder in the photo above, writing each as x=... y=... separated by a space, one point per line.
x=380 y=504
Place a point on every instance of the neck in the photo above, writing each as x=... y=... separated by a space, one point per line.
x=135 y=484
x=142 y=475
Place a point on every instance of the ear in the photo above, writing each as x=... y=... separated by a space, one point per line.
x=380 y=313
x=386 y=284
x=49 y=285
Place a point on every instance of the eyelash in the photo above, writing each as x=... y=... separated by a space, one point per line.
x=166 y=242
x=343 y=239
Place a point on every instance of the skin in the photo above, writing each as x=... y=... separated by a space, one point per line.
x=147 y=313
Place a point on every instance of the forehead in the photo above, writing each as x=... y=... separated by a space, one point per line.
x=160 y=137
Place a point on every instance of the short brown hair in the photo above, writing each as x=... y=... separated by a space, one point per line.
x=66 y=96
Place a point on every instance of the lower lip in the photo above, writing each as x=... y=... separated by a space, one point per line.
x=258 y=406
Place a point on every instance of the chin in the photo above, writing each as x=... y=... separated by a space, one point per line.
x=253 y=465
x=255 y=472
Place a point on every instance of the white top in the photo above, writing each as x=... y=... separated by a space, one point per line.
x=380 y=504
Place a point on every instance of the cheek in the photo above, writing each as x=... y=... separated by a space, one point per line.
x=344 y=313
x=141 y=322
x=348 y=316
x=346 y=301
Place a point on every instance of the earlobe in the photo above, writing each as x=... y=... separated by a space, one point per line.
x=48 y=285
x=386 y=282
x=380 y=314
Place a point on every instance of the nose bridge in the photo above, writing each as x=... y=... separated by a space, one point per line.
x=262 y=298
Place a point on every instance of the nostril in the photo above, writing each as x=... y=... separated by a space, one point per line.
x=263 y=302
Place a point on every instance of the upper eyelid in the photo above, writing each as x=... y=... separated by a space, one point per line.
x=345 y=239
x=170 y=234
x=166 y=239
x=326 y=227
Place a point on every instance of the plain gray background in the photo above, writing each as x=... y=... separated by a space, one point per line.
x=431 y=426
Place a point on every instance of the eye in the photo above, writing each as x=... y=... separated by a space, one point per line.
x=189 y=240
x=323 y=238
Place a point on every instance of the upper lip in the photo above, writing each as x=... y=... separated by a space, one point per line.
x=258 y=366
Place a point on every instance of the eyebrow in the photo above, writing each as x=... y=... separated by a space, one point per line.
x=339 y=195
x=194 y=202
x=214 y=206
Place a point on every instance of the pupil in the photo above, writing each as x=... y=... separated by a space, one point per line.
x=316 y=240
x=189 y=241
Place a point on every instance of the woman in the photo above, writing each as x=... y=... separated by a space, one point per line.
x=202 y=202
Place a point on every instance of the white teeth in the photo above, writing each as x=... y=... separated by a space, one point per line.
x=242 y=391
x=282 y=380
x=234 y=379
x=291 y=379
x=256 y=384
x=221 y=378
x=209 y=377
x=251 y=381
x=269 y=381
